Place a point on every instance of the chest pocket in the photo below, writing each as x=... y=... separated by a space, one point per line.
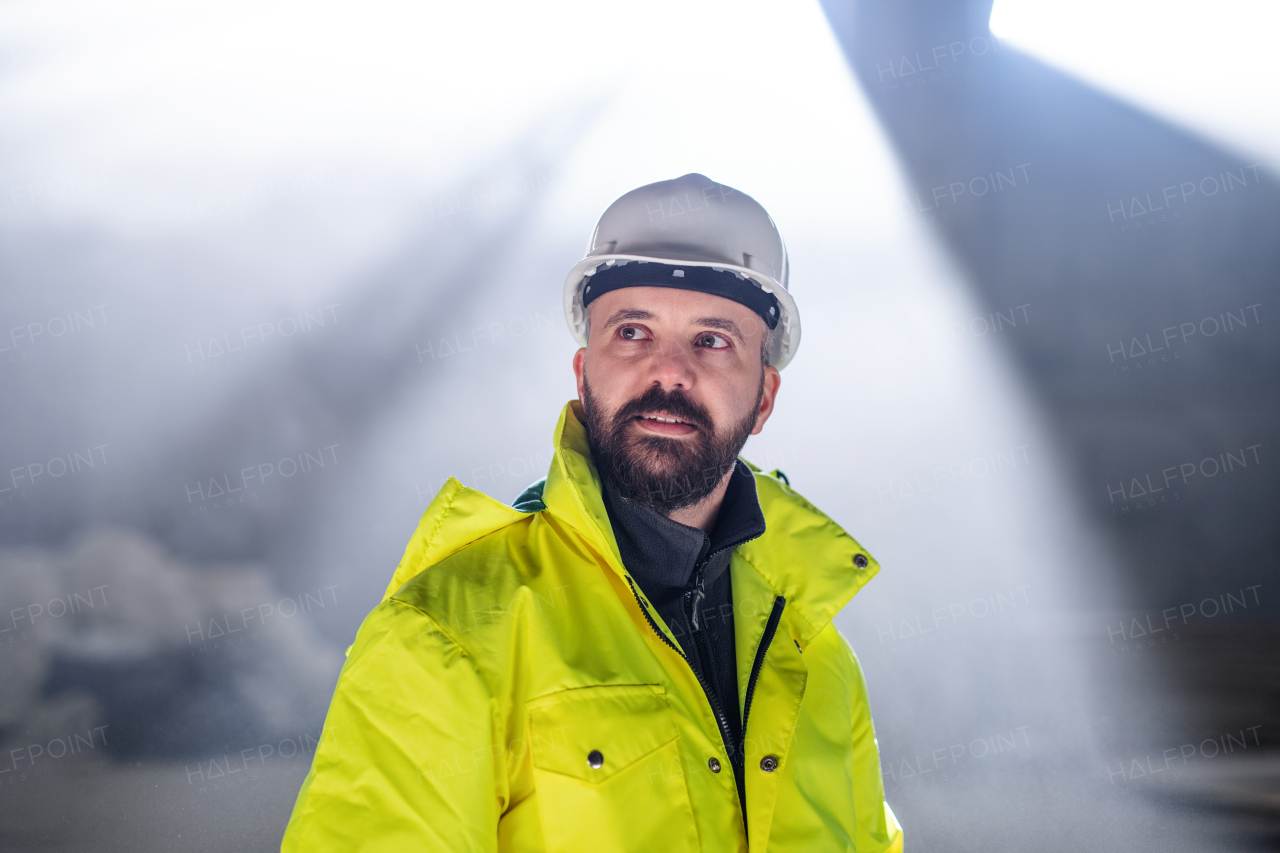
x=608 y=773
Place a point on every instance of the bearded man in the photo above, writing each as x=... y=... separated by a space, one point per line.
x=639 y=654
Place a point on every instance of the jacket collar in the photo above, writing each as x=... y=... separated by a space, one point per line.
x=662 y=553
x=803 y=555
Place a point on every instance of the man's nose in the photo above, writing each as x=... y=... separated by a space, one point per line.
x=672 y=366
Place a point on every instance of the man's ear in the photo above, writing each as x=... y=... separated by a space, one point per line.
x=772 y=381
x=579 y=372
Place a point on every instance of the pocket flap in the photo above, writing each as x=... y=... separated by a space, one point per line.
x=610 y=725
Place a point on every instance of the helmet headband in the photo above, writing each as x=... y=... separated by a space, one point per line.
x=723 y=283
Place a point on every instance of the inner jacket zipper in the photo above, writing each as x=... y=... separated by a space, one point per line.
x=694 y=595
x=696 y=586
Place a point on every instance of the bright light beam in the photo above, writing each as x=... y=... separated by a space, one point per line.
x=1209 y=67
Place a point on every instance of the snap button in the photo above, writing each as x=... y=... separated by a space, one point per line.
x=595 y=759
x=860 y=560
x=769 y=763
x=714 y=764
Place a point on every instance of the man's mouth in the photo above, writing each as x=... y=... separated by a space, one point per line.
x=664 y=420
x=666 y=424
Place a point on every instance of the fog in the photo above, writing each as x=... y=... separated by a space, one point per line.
x=271 y=273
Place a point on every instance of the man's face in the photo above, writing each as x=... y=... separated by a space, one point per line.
x=671 y=383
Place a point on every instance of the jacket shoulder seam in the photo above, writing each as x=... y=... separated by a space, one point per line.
x=453 y=641
x=471 y=543
x=440 y=568
x=435 y=530
x=426 y=561
x=421 y=563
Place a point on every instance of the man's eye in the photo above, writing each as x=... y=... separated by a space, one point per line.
x=631 y=333
x=712 y=341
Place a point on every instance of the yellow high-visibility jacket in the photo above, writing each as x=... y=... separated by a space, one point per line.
x=514 y=691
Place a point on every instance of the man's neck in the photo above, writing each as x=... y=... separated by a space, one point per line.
x=704 y=513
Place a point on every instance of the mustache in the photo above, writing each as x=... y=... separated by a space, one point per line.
x=676 y=403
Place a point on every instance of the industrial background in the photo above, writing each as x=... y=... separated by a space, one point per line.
x=270 y=272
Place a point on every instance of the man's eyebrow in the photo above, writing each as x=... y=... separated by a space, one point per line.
x=723 y=325
x=627 y=314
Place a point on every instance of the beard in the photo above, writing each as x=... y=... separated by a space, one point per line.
x=662 y=472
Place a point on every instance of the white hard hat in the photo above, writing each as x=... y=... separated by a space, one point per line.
x=694 y=234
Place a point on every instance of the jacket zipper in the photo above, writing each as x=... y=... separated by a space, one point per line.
x=736 y=752
x=726 y=735
x=770 y=628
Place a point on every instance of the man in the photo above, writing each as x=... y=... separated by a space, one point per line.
x=639 y=655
